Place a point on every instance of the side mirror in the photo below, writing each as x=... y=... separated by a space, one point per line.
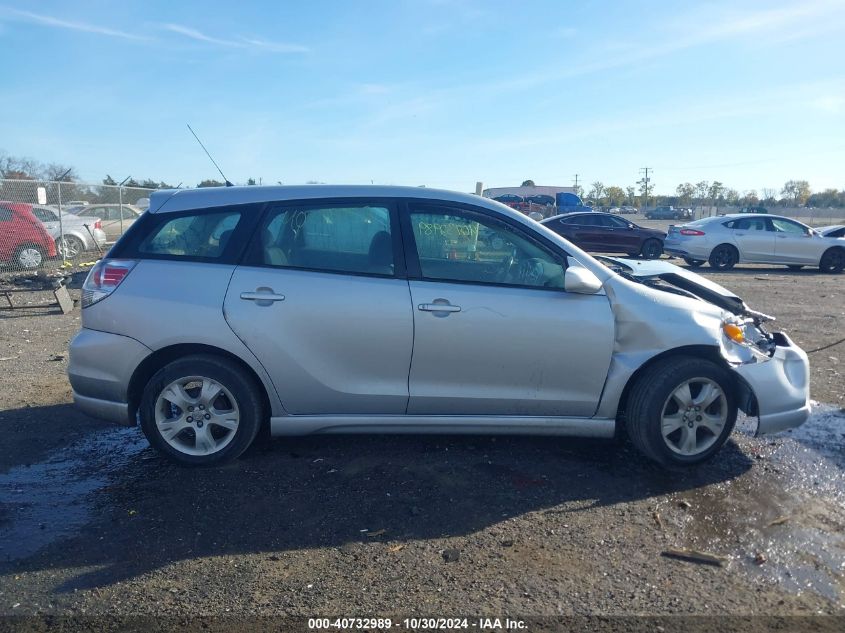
x=581 y=281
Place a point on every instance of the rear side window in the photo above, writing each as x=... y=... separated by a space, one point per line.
x=5 y=214
x=203 y=235
x=354 y=239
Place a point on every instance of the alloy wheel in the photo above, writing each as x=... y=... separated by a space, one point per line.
x=694 y=416
x=69 y=246
x=197 y=415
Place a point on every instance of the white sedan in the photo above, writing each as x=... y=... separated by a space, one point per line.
x=724 y=241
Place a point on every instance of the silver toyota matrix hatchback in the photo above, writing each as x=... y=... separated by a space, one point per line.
x=325 y=309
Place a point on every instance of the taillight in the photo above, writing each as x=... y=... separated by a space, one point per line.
x=691 y=232
x=104 y=279
x=98 y=224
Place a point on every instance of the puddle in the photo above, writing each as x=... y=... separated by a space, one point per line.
x=797 y=525
x=45 y=502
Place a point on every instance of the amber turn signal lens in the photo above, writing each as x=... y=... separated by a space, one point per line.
x=733 y=332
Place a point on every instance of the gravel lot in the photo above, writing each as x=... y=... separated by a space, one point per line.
x=93 y=522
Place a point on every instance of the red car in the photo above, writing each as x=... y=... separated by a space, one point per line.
x=24 y=242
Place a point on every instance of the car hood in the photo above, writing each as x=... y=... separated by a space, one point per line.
x=665 y=276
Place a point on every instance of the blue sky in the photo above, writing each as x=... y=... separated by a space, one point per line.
x=435 y=92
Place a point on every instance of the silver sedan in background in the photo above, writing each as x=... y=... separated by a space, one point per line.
x=74 y=234
x=724 y=241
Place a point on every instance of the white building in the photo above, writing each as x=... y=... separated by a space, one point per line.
x=537 y=190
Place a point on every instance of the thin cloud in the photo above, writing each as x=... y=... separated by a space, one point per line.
x=800 y=21
x=242 y=43
x=8 y=13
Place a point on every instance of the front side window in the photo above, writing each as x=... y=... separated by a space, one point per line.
x=788 y=226
x=459 y=245
x=618 y=223
x=345 y=239
x=202 y=235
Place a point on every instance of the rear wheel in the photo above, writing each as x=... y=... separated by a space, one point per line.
x=29 y=256
x=723 y=257
x=833 y=260
x=652 y=249
x=681 y=411
x=201 y=411
x=69 y=247
x=694 y=263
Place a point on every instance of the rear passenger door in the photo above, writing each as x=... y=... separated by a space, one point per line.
x=755 y=239
x=322 y=301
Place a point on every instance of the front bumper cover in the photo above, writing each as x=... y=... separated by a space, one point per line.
x=781 y=386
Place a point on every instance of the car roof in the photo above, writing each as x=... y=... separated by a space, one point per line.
x=173 y=200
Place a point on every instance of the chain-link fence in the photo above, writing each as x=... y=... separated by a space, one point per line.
x=49 y=226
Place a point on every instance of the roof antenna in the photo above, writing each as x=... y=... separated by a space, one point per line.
x=228 y=184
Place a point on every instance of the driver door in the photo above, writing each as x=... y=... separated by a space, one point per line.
x=494 y=331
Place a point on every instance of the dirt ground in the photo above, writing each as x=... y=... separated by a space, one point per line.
x=92 y=521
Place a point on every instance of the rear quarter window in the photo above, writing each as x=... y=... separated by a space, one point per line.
x=203 y=235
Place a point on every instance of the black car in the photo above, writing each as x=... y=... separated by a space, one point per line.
x=606 y=233
x=664 y=213
x=543 y=200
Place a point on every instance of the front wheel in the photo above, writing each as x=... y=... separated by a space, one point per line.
x=201 y=411
x=681 y=411
x=833 y=260
x=652 y=249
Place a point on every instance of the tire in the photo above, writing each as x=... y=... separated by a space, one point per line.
x=723 y=257
x=232 y=412
x=29 y=256
x=651 y=249
x=833 y=260
x=795 y=266
x=71 y=248
x=653 y=402
x=693 y=263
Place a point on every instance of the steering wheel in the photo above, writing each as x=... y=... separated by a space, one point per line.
x=507 y=265
x=531 y=272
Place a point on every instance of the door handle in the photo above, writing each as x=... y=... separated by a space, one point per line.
x=740 y=233
x=438 y=307
x=264 y=296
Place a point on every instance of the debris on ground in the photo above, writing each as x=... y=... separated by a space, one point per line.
x=377 y=532
x=656 y=516
x=779 y=521
x=694 y=556
x=686 y=505
x=451 y=555
x=760 y=558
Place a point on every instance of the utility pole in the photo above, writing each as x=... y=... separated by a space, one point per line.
x=644 y=182
x=576 y=182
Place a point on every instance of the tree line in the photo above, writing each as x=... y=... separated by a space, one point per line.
x=794 y=193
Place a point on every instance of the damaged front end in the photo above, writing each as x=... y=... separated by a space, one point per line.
x=773 y=372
